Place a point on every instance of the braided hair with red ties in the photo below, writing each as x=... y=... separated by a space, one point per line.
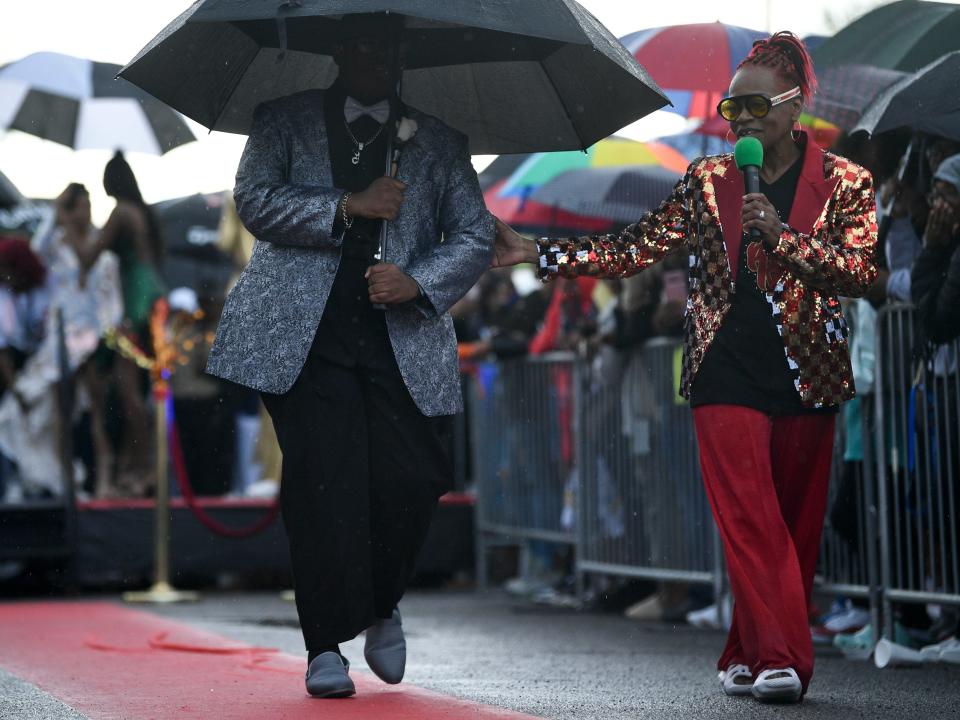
x=785 y=53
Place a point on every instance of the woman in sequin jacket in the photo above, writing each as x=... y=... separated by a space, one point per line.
x=766 y=362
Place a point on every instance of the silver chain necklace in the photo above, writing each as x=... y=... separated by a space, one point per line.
x=360 y=145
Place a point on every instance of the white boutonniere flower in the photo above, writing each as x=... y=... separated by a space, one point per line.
x=406 y=130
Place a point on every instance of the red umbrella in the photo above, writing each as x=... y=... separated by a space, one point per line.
x=536 y=218
x=693 y=64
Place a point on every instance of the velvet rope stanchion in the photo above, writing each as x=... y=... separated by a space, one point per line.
x=208 y=521
x=161 y=591
x=168 y=443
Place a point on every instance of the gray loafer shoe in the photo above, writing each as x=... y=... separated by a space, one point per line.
x=327 y=677
x=385 y=649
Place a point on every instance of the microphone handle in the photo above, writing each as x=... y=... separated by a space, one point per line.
x=751 y=181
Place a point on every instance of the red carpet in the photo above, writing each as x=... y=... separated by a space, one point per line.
x=108 y=661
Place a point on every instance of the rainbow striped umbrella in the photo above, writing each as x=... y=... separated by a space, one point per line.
x=693 y=64
x=541 y=168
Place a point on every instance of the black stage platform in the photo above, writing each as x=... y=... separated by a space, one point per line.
x=114 y=543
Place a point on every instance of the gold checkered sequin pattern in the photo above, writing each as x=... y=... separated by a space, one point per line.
x=835 y=258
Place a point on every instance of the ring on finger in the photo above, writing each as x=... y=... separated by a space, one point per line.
x=763 y=214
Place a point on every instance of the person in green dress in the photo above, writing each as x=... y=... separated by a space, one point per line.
x=132 y=233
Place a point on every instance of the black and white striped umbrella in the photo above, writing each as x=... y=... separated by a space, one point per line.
x=79 y=103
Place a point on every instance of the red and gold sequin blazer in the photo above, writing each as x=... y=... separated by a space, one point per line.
x=825 y=250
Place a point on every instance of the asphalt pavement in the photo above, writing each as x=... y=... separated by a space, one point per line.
x=570 y=665
x=560 y=664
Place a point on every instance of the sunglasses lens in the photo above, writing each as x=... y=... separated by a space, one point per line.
x=758 y=106
x=730 y=109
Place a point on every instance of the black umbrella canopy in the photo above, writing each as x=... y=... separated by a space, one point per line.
x=904 y=35
x=514 y=75
x=927 y=100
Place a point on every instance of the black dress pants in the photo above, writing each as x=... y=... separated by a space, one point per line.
x=363 y=469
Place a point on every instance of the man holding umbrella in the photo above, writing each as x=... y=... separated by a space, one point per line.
x=356 y=359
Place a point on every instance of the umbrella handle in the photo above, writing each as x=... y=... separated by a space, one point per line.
x=391 y=167
x=282 y=10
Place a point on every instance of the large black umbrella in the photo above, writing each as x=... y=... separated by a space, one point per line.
x=79 y=103
x=619 y=194
x=904 y=35
x=514 y=75
x=927 y=100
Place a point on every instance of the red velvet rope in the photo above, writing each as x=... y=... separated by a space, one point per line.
x=207 y=520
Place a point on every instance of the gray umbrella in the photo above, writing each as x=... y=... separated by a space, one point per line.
x=619 y=194
x=927 y=100
x=514 y=75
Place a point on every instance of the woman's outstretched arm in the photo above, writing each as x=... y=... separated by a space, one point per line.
x=622 y=254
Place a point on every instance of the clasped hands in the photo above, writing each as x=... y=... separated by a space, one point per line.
x=943 y=225
x=387 y=284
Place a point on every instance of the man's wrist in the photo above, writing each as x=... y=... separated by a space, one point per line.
x=533 y=251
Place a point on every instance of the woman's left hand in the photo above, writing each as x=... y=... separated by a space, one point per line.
x=759 y=213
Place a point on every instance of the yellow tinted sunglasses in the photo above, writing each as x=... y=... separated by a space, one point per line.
x=730 y=108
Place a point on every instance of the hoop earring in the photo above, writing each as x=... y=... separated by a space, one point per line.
x=731 y=138
x=797 y=131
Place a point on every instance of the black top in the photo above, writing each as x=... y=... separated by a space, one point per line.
x=352 y=332
x=747 y=364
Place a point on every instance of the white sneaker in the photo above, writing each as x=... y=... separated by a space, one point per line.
x=945 y=651
x=708 y=618
x=778 y=685
x=648 y=609
x=728 y=680
x=525 y=586
x=850 y=619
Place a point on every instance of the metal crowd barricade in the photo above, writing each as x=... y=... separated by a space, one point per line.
x=847 y=565
x=606 y=462
x=917 y=466
x=523 y=431
x=642 y=509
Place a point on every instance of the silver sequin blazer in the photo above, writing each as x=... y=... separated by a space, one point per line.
x=443 y=238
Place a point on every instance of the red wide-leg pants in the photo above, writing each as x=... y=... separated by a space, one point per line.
x=767 y=480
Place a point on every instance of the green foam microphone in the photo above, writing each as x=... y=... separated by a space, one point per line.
x=748 y=154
